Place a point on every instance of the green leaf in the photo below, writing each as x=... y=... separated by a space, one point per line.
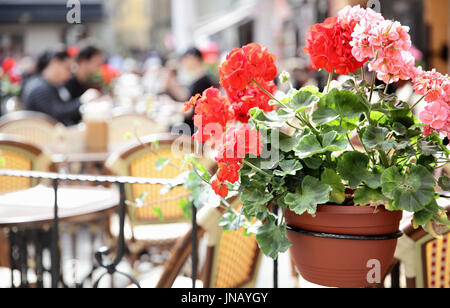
x=367 y=196
x=289 y=167
x=158 y=212
x=255 y=201
x=313 y=162
x=272 y=238
x=127 y=136
x=427 y=148
x=338 y=104
x=304 y=99
x=423 y=217
x=376 y=137
x=399 y=129
x=140 y=201
x=186 y=207
x=231 y=222
x=2 y=162
x=161 y=163
x=331 y=178
x=373 y=179
x=288 y=143
x=310 y=145
x=444 y=183
x=273 y=119
x=410 y=192
x=155 y=144
x=353 y=167
x=427 y=161
x=313 y=193
x=199 y=167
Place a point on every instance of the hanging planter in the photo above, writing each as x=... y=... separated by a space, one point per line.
x=338 y=246
x=302 y=149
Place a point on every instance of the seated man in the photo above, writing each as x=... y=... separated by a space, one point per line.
x=41 y=93
x=89 y=61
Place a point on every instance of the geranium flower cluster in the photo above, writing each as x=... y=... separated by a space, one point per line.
x=387 y=43
x=245 y=75
x=328 y=44
x=243 y=68
x=9 y=71
x=435 y=88
x=212 y=114
x=108 y=73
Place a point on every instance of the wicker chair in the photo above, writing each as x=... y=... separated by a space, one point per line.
x=33 y=127
x=147 y=230
x=426 y=259
x=232 y=259
x=121 y=125
x=18 y=155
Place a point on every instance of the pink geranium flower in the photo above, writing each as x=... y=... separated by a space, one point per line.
x=433 y=85
x=437 y=116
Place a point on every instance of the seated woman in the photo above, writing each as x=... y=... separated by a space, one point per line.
x=41 y=93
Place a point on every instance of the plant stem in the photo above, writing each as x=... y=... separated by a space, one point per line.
x=372 y=86
x=387 y=86
x=367 y=150
x=296 y=128
x=309 y=125
x=259 y=170
x=330 y=78
x=349 y=141
x=417 y=103
x=269 y=94
x=384 y=159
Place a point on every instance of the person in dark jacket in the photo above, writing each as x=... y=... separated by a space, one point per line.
x=41 y=93
x=192 y=62
x=89 y=61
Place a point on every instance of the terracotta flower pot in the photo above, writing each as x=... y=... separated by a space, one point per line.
x=369 y=235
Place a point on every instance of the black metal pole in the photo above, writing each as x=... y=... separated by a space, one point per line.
x=275 y=262
x=194 y=245
x=121 y=241
x=55 y=240
x=395 y=276
x=111 y=266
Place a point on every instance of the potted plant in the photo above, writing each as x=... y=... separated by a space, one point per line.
x=341 y=164
x=9 y=82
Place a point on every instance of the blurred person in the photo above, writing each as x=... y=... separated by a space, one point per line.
x=193 y=64
x=172 y=86
x=41 y=93
x=89 y=61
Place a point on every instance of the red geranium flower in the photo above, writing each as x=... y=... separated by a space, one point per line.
x=14 y=78
x=328 y=44
x=8 y=64
x=251 y=98
x=238 y=141
x=73 y=51
x=108 y=73
x=244 y=64
x=212 y=113
x=228 y=172
x=220 y=189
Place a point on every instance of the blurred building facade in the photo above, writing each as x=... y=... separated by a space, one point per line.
x=137 y=26
x=31 y=26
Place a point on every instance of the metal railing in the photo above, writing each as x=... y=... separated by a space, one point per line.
x=101 y=256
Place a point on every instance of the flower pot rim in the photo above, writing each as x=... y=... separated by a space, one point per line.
x=334 y=236
x=351 y=209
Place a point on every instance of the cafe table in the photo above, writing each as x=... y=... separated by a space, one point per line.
x=28 y=216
